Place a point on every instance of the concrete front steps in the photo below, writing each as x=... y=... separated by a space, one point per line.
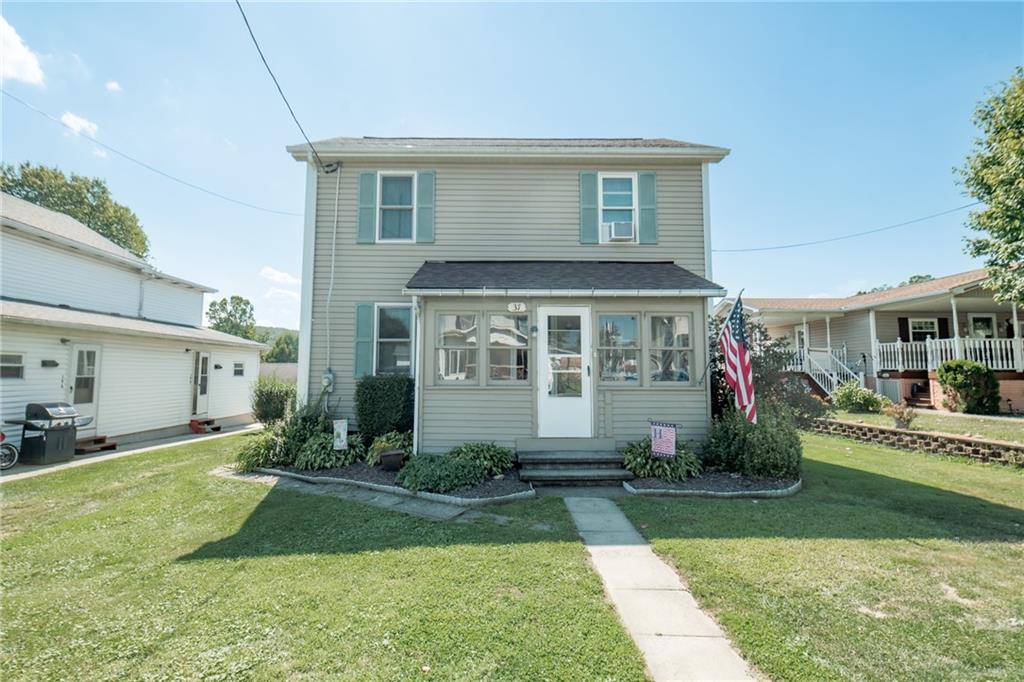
x=570 y=461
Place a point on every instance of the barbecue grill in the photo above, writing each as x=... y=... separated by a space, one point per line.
x=48 y=432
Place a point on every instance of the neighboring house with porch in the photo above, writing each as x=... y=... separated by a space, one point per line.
x=537 y=290
x=894 y=340
x=86 y=322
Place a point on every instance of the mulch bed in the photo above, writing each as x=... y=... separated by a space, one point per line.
x=507 y=485
x=715 y=481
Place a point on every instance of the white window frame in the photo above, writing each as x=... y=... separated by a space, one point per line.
x=412 y=333
x=20 y=364
x=635 y=208
x=691 y=349
x=912 y=320
x=463 y=349
x=235 y=367
x=991 y=316
x=529 y=347
x=380 y=209
x=639 y=348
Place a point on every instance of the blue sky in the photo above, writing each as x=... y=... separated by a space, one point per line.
x=840 y=117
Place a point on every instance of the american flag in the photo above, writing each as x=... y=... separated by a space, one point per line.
x=738 y=371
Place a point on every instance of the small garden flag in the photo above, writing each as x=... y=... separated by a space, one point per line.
x=341 y=434
x=663 y=440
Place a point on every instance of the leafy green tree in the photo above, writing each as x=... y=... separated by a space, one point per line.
x=233 y=316
x=85 y=199
x=994 y=175
x=913 y=279
x=284 y=349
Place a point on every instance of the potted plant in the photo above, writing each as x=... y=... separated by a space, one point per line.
x=901 y=413
x=389 y=450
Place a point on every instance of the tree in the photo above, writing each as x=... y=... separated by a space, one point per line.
x=85 y=199
x=233 y=316
x=994 y=175
x=913 y=279
x=284 y=349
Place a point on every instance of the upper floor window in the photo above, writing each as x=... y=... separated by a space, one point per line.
x=393 y=339
x=396 y=206
x=12 y=366
x=617 y=207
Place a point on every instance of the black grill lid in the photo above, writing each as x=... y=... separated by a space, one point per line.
x=50 y=411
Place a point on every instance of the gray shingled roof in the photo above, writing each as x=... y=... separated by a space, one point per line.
x=559 y=275
x=510 y=142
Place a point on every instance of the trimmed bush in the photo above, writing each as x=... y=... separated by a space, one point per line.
x=389 y=441
x=496 y=459
x=853 y=398
x=969 y=386
x=769 y=449
x=638 y=460
x=384 y=403
x=440 y=473
x=271 y=399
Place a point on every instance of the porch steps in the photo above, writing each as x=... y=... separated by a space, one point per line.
x=93 y=444
x=575 y=476
x=204 y=426
x=570 y=461
x=921 y=399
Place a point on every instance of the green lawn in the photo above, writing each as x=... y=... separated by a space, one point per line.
x=887 y=566
x=148 y=567
x=941 y=422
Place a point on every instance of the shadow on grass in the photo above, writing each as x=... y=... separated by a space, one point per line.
x=838 y=502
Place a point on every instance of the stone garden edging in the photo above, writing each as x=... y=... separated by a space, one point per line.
x=927 y=441
x=396 y=490
x=668 y=492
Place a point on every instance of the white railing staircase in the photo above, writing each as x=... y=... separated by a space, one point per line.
x=827 y=369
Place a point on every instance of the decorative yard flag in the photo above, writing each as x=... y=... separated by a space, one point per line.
x=341 y=434
x=739 y=373
x=663 y=440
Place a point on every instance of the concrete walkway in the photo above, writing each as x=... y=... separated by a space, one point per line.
x=20 y=471
x=677 y=639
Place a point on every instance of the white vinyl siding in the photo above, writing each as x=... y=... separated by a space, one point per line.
x=167 y=302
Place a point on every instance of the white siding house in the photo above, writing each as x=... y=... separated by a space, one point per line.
x=87 y=322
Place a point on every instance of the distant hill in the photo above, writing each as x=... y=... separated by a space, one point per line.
x=268 y=334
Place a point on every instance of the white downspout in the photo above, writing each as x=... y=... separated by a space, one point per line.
x=1018 y=342
x=873 y=332
x=417 y=374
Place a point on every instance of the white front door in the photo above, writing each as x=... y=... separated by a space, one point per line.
x=201 y=384
x=84 y=387
x=564 y=386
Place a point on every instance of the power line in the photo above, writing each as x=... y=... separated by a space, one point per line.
x=148 y=167
x=295 y=118
x=848 y=236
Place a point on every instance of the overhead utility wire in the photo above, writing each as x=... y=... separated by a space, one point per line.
x=848 y=236
x=148 y=167
x=295 y=118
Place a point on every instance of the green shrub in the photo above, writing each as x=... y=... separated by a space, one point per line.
x=441 y=473
x=301 y=425
x=637 y=459
x=319 y=453
x=260 y=450
x=496 y=459
x=392 y=440
x=853 y=398
x=769 y=449
x=271 y=399
x=384 y=403
x=969 y=386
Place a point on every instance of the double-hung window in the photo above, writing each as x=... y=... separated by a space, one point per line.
x=457 y=343
x=396 y=206
x=617 y=207
x=922 y=329
x=508 y=343
x=618 y=348
x=239 y=369
x=671 y=348
x=393 y=342
x=12 y=366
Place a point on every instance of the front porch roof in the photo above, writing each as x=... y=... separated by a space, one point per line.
x=558 y=278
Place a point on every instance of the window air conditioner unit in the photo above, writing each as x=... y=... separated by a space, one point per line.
x=619 y=231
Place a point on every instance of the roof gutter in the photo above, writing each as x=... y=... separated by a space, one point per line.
x=710 y=154
x=567 y=293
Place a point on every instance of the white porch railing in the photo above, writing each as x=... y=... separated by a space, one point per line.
x=827 y=369
x=999 y=354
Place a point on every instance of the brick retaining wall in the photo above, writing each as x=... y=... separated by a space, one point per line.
x=937 y=443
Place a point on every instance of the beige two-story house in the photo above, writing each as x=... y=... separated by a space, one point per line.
x=534 y=288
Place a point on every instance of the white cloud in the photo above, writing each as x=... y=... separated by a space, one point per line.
x=17 y=61
x=101 y=153
x=113 y=86
x=275 y=292
x=278 y=276
x=79 y=125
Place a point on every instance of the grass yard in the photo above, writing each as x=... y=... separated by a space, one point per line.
x=1011 y=430
x=887 y=566
x=148 y=567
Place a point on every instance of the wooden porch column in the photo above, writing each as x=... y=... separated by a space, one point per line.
x=958 y=343
x=807 y=344
x=1018 y=342
x=873 y=332
x=828 y=336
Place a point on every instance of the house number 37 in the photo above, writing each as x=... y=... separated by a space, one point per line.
x=517 y=307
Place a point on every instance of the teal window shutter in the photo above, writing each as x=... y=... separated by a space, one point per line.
x=363 y=364
x=366 y=232
x=425 y=206
x=647 y=194
x=588 y=207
